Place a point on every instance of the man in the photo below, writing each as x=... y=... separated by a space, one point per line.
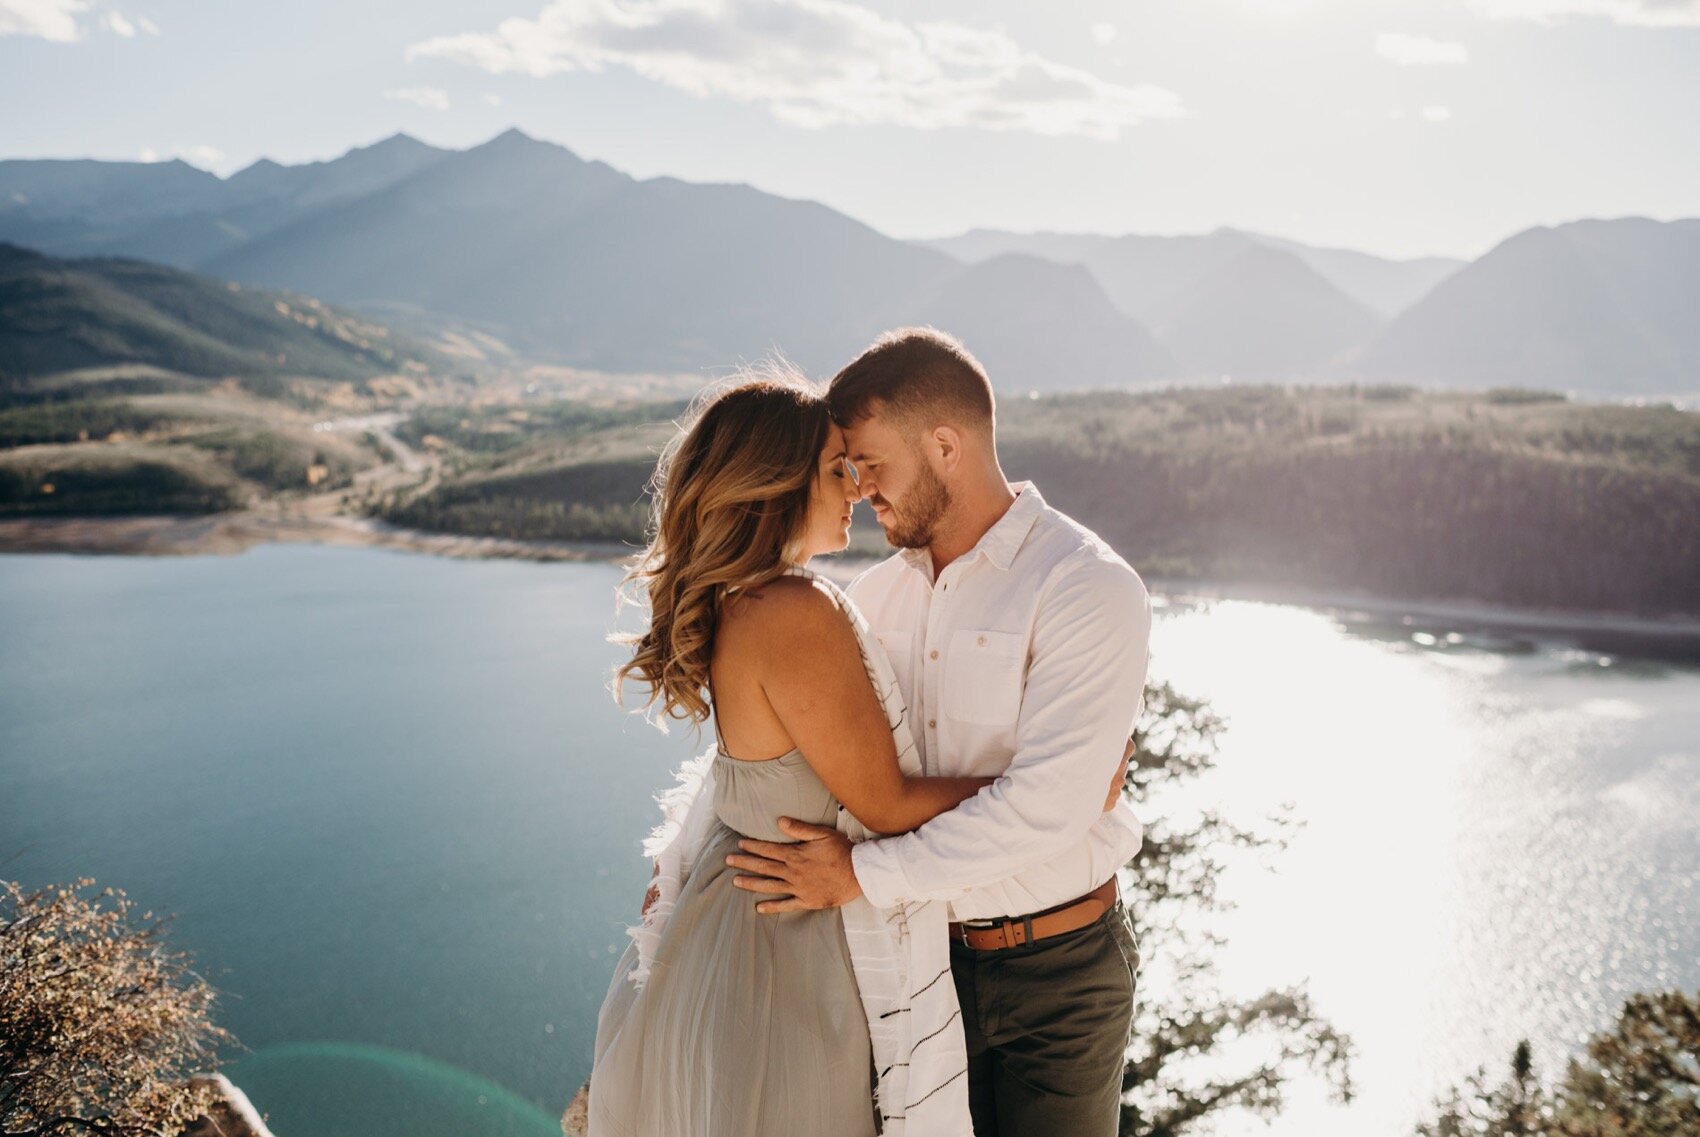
x=1020 y=641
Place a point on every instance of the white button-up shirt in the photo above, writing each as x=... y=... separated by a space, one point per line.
x=1024 y=661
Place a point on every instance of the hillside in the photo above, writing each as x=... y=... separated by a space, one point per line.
x=60 y=315
x=1226 y=303
x=1506 y=497
x=1509 y=497
x=206 y=453
x=1602 y=308
x=1103 y=347
x=1264 y=314
x=1143 y=276
x=1383 y=285
x=1141 y=272
x=1611 y=307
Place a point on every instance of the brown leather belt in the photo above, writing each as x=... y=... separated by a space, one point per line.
x=1013 y=931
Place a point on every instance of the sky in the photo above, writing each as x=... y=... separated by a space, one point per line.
x=1398 y=127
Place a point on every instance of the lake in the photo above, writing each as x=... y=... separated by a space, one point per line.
x=397 y=814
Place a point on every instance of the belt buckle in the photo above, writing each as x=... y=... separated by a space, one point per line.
x=982 y=926
x=1010 y=927
x=966 y=926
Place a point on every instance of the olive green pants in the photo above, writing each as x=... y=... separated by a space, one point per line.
x=1048 y=1026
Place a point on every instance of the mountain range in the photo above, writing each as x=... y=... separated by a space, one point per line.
x=574 y=261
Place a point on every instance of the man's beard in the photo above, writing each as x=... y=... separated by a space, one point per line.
x=912 y=525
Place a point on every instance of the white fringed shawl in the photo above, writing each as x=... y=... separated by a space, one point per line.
x=901 y=956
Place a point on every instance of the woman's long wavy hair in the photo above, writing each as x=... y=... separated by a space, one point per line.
x=729 y=510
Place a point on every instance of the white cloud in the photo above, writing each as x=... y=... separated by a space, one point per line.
x=54 y=20
x=492 y=98
x=148 y=154
x=119 y=24
x=1647 y=13
x=1436 y=114
x=815 y=63
x=1419 y=51
x=1104 y=32
x=431 y=98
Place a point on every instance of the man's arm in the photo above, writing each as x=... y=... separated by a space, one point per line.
x=1091 y=646
x=814 y=871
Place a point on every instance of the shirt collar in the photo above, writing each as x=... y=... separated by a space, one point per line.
x=1000 y=542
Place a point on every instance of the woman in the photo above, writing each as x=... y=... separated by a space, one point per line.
x=722 y=1021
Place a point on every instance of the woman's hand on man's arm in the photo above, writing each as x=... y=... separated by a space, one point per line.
x=654 y=893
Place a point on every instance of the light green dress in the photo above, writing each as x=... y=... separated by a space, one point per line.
x=748 y=1025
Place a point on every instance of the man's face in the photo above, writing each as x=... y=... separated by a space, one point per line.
x=907 y=494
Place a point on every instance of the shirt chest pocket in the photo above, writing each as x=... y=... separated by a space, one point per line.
x=983 y=675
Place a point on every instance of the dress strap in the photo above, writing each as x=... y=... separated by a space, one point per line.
x=832 y=589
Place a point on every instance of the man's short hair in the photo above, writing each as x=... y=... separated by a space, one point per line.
x=922 y=376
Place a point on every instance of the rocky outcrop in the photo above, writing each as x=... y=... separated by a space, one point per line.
x=233 y=1115
x=576 y=1121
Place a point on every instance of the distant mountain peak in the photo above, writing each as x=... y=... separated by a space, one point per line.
x=398 y=146
x=1596 y=305
x=1021 y=263
x=260 y=168
x=513 y=141
x=514 y=136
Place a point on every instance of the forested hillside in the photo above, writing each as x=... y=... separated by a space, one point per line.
x=61 y=315
x=1509 y=497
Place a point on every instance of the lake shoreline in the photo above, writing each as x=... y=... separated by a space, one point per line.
x=1360 y=606
x=229 y=534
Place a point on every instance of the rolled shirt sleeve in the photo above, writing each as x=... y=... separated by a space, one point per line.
x=1083 y=692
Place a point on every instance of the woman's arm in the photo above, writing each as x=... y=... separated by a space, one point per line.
x=924 y=798
x=810 y=670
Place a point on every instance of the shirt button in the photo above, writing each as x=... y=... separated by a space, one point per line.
x=934 y=654
x=931 y=723
x=981 y=641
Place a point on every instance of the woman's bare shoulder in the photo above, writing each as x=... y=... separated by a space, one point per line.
x=789 y=608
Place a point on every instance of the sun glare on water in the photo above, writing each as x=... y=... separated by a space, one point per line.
x=1479 y=844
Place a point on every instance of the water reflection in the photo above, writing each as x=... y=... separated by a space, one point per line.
x=392 y=802
x=1498 y=837
x=341 y=1089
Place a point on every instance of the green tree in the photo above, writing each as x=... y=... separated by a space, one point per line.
x=1178 y=1076
x=1517 y=1107
x=1640 y=1078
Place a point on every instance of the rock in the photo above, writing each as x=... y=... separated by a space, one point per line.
x=576 y=1121
x=233 y=1115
